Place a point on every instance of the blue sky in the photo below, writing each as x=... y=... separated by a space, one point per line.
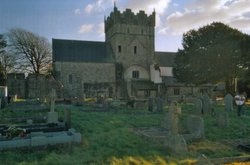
x=83 y=19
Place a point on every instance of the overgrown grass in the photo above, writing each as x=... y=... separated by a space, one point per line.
x=108 y=138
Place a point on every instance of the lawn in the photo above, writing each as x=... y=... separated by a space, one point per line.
x=109 y=138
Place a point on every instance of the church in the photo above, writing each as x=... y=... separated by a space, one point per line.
x=124 y=65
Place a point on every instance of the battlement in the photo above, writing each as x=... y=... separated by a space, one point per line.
x=128 y=17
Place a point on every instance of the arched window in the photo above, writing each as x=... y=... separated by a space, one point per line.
x=135 y=74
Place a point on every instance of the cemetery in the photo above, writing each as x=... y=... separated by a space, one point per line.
x=120 y=101
x=176 y=133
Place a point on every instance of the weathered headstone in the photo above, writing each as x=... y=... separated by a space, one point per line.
x=150 y=104
x=67 y=118
x=173 y=140
x=228 y=100
x=159 y=104
x=206 y=104
x=176 y=143
x=198 y=106
x=222 y=119
x=52 y=100
x=173 y=118
x=195 y=127
x=52 y=115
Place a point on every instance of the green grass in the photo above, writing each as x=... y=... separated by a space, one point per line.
x=108 y=138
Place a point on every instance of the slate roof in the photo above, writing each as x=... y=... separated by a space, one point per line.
x=81 y=51
x=165 y=58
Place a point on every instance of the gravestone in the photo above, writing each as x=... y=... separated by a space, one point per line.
x=198 y=106
x=173 y=118
x=173 y=140
x=67 y=118
x=228 y=100
x=222 y=119
x=195 y=127
x=150 y=104
x=206 y=104
x=176 y=143
x=159 y=104
x=52 y=115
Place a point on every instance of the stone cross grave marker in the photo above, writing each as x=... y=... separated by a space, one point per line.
x=52 y=100
x=52 y=115
x=173 y=118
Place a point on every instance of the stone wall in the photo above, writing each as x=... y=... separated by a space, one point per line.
x=16 y=84
x=74 y=75
x=186 y=92
x=32 y=86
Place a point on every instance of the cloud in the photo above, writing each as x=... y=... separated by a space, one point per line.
x=89 y=8
x=159 y=6
x=98 y=6
x=86 y=28
x=200 y=13
x=77 y=11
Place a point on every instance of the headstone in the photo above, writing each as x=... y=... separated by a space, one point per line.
x=176 y=143
x=198 y=106
x=206 y=104
x=159 y=104
x=222 y=119
x=52 y=98
x=228 y=100
x=195 y=126
x=52 y=115
x=67 y=118
x=150 y=104
x=173 y=118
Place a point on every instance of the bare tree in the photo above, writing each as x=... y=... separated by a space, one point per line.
x=8 y=62
x=33 y=52
x=3 y=44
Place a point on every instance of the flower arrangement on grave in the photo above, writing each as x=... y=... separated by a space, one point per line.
x=14 y=131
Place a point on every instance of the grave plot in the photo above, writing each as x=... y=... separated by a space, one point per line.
x=34 y=133
x=204 y=129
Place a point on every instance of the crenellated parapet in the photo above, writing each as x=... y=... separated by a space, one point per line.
x=128 y=17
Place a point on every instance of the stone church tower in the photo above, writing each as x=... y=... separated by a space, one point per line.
x=131 y=37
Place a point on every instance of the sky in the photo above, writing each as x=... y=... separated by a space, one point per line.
x=84 y=19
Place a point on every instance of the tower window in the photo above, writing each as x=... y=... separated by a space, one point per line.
x=119 y=48
x=135 y=49
x=135 y=74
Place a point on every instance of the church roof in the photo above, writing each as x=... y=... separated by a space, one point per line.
x=166 y=59
x=81 y=51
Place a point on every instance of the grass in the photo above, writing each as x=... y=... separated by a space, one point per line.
x=108 y=138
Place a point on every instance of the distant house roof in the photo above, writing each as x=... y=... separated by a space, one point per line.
x=165 y=58
x=81 y=51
